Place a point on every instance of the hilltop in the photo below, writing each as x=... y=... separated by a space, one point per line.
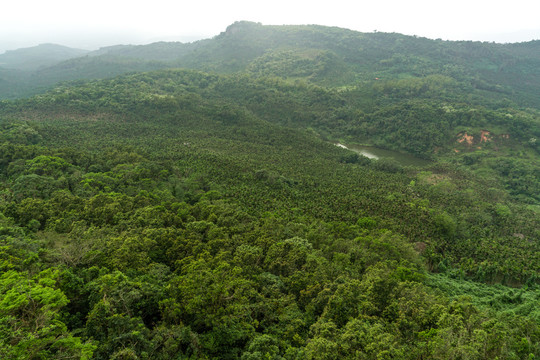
x=322 y=55
x=34 y=58
x=188 y=200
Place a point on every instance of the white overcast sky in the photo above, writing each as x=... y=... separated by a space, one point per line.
x=91 y=24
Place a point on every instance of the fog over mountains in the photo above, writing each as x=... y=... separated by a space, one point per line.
x=352 y=56
x=188 y=200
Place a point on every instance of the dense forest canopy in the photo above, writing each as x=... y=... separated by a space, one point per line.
x=196 y=206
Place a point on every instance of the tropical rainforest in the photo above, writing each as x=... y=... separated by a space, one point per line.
x=188 y=201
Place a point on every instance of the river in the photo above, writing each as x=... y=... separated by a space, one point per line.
x=377 y=153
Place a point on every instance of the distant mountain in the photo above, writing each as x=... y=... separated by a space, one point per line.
x=36 y=57
x=207 y=213
x=327 y=56
x=333 y=56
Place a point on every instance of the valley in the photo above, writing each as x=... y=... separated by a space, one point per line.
x=189 y=201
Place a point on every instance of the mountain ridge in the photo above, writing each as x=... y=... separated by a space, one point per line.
x=35 y=57
x=205 y=212
x=353 y=57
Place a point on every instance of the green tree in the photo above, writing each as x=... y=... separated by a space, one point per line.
x=30 y=319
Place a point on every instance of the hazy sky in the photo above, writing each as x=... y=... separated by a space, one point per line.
x=96 y=23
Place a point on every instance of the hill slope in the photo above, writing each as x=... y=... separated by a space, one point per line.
x=325 y=56
x=149 y=216
x=188 y=214
x=36 y=57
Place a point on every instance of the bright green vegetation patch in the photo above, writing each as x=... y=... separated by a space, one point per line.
x=507 y=301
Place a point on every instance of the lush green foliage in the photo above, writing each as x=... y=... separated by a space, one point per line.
x=321 y=55
x=180 y=214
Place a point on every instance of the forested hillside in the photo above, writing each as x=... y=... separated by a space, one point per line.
x=182 y=214
x=318 y=54
x=37 y=57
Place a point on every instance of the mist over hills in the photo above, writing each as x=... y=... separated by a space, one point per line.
x=321 y=55
x=36 y=57
x=188 y=201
